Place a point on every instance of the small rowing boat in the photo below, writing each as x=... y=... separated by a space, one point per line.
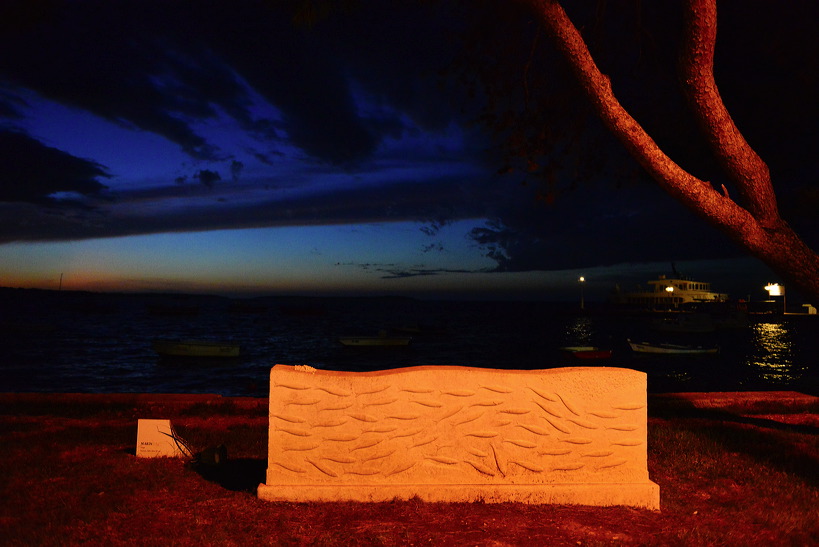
x=587 y=352
x=650 y=347
x=382 y=340
x=196 y=348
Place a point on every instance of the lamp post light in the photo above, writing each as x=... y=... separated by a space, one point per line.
x=582 y=281
x=775 y=289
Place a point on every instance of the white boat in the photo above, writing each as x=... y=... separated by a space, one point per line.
x=196 y=348
x=651 y=347
x=382 y=340
x=669 y=292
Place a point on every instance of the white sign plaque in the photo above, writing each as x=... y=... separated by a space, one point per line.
x=156 y=439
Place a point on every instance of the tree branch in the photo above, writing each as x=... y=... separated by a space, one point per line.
x=771 y=240
x=694 y=193
x=745 y=168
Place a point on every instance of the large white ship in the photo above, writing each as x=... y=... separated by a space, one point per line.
x=669 y=292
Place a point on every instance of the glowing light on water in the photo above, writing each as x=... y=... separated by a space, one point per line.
x=580 y=332
x=680 y=376
x=773 y=348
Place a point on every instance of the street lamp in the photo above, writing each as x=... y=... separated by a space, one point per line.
x=775 y=289
x=582 y=281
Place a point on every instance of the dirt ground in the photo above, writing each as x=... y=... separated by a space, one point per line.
x=733 y=469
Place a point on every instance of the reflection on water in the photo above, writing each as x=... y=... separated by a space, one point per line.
x=772 y=353
x=579 y=332
x=680 y=376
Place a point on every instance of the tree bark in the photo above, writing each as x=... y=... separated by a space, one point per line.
x=756 y=225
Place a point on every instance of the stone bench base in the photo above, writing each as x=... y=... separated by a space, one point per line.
x=459 y=434
x=645 y=495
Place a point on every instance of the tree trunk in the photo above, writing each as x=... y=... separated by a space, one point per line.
x=756 y=226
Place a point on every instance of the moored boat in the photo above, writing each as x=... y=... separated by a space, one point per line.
x=669 y=292
x=381 y=340
x=196 y=348
x=587 y=352
x=651 y=347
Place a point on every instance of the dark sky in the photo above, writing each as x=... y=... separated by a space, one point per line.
x=154 y=118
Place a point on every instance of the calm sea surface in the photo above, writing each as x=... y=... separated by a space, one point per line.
x=91 y=343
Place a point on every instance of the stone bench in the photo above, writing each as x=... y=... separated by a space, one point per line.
x=450 y=434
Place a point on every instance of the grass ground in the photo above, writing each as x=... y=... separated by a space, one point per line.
x=733 y=469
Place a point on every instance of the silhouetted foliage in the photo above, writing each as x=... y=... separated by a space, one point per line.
x=544 y=75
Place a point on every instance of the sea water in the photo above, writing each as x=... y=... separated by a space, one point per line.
x=94 y=343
